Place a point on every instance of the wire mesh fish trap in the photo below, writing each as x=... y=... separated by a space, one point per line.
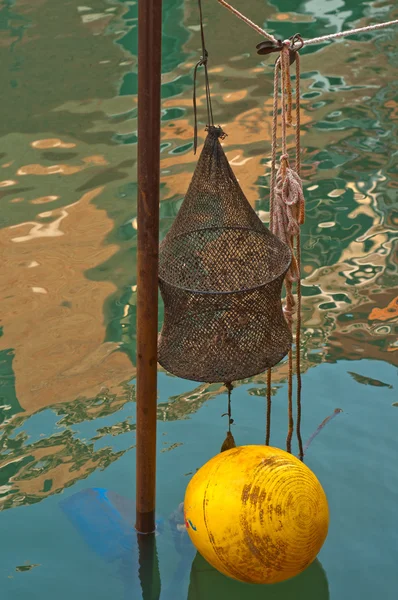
x=220 y=275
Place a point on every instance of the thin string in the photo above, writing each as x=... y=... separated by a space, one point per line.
x=317 y=40
x=271 y=226
x=229 y=387
x=298 y=257
x=285 y=75
x=290 y=380
x=286 y=116
x=205 y=56
x=298 y=118
x=274 y=147
x=298 y=350
x=200 y=63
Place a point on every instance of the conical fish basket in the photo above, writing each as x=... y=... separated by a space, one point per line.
x=220 y=275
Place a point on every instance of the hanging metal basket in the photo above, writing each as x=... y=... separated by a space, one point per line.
x=220 y=275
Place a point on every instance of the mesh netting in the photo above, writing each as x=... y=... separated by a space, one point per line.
x=220 y=274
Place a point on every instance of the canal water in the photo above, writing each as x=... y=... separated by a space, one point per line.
x=68 y=230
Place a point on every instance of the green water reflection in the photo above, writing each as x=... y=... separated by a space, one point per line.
x=68 y=294
x=206 y=582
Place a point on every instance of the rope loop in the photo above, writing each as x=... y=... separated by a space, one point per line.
x=203 y=59
x=296 y=39
x=216 y=130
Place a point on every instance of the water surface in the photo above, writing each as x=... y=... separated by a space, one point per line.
x=68 y=292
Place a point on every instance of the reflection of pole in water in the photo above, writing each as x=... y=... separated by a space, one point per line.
x=148 y=570
x=206 y=583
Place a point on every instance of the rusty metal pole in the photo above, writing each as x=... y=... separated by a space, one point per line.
x=149 y=72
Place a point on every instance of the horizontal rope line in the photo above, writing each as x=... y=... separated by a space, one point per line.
x=333 y=36
x=317 y=40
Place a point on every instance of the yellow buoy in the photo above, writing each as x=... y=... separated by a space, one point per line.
x=257 y=514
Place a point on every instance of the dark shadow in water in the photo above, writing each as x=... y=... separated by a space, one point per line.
x=105 y=520
x=148 y=572
x=207 y=583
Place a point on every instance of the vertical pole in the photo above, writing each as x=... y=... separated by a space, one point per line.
x=149 y=72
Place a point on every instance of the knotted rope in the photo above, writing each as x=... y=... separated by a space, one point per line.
x=286 y=198
x=229 y=441
x=287 y=210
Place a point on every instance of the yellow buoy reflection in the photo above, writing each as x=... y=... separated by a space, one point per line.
x=206 y=583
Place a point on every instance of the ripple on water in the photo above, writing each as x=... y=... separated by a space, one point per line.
x=68 y=273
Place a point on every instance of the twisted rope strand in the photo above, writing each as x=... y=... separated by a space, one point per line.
x=286 y=220
x=301 y=217
x=298 y=351
x=298 y=116
x=286 y=215
x=259 y=30
x=334 y=36
x=273 y=148
x=271 y=224
x=286 y=187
